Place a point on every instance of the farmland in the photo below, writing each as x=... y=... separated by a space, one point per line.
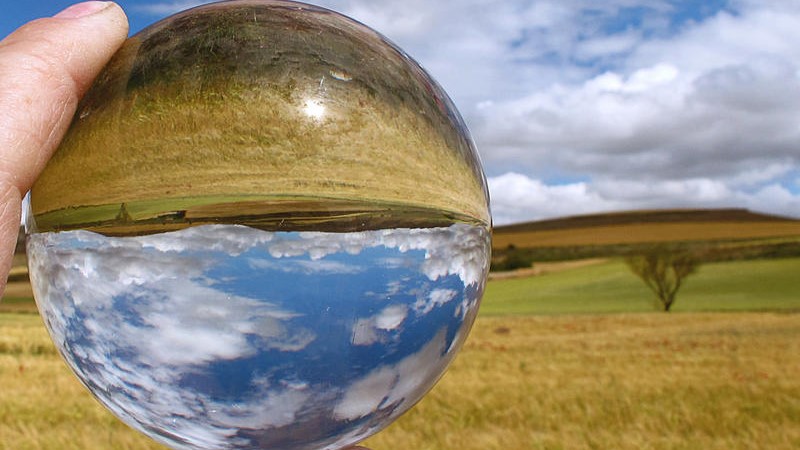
x=630 y=381
x=568 y=354
x=711 y=235
x=609 y=287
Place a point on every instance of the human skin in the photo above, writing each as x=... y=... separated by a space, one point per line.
x=45 y=68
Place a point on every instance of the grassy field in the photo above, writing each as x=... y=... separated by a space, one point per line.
x=42 y=405
x=241 y=110
x=625 y=381
x=609 y=287
x=575 y=357
x=711 y=235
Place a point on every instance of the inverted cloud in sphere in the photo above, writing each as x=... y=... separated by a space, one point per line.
x=182 y=322
x=456 y=250
x=398 y=383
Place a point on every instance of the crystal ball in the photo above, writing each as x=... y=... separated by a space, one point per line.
x=267 y=227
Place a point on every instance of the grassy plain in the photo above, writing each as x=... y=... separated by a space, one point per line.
x=574 y=358
x=625 y=381
x=609 y=287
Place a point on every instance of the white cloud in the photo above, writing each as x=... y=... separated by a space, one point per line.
x=391 y=317
x=230 y=239
x=525 y=199
x=608 y=46
x=456 y=250
x=519 y=198
x=370 y=330
x=704 y=116
x=398 y=386
x=305 y=266
x=694 y=108
x=435 y=298
x=643 y=92
x=181 y=323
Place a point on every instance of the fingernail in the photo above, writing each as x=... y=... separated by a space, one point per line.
x=82 y=10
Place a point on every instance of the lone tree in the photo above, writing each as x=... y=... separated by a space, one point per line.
x=663 y=271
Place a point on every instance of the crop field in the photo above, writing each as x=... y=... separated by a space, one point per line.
x=572 y=359
x=708 y=235
x=629 y=381
x=564 y=355
x=666 y=232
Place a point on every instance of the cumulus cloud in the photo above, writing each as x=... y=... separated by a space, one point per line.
x=683 y=101
x=456 y=250
x=177 y=322
x=306 y=267
x=230 y=239
x=144 y=316
x=517 y=197
x=701 y=116
x=520 y=198
x=369 y=330
x=436 y=297
x=398 y=386
x=581 y=98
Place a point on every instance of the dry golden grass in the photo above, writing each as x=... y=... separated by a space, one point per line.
x=17 y=298
x=42 y=405
x=649 y=232
x=640 y=381
x=229 y=139
x=627 y=381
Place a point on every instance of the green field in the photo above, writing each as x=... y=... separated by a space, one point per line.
x=609 y=287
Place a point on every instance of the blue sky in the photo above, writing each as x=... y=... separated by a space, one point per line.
x=580 y=106
x=17 y=12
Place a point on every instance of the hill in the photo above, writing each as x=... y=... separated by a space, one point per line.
x=716 y=234
x=637 y=227
x=640 y=217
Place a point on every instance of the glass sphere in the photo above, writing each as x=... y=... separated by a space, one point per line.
x=267 y=227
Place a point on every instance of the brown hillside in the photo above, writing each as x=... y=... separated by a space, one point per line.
x=638 y=227
x=643 y=217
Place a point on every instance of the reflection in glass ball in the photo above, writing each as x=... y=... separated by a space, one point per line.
x=266 y=228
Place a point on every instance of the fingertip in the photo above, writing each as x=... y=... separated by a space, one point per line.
x=84 y=9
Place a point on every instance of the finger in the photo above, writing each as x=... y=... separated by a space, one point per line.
x=45 y=67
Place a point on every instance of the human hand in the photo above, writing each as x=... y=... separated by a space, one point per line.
x=45 y=68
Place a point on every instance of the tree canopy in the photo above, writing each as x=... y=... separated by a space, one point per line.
x=663 y=270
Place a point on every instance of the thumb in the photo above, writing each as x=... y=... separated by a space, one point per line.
x=45 y=67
